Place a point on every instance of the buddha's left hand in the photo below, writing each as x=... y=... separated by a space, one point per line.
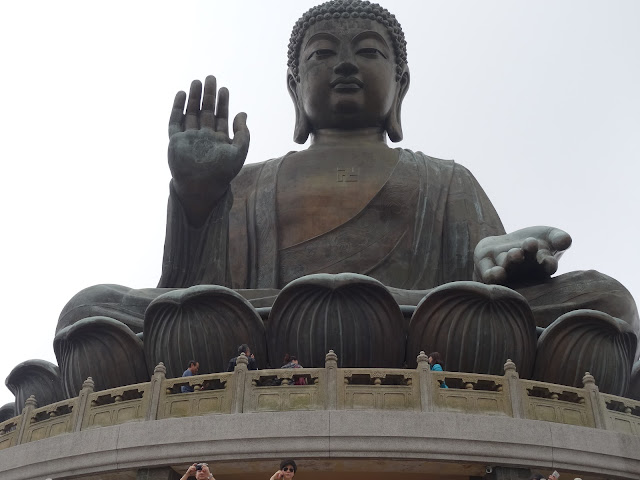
x=528 y=254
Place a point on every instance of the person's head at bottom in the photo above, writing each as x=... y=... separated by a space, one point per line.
x=244 y=348
x=435 y=358
x=287 y=470
x=200 y=471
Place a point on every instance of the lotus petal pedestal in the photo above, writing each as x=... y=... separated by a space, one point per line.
x=205 y=323
x=353 y=315
x=475 y=327
x=35 y=377
x=587 y=341
x=102 y=348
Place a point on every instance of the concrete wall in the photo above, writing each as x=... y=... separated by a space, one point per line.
x=461 y=440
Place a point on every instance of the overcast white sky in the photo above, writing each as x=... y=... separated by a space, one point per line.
x=540 y=100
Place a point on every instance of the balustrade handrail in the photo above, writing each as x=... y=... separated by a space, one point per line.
x=332 y=388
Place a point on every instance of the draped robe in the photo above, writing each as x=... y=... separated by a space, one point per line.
x=417 y=232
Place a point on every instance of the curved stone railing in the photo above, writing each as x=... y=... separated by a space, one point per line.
x=329 y=388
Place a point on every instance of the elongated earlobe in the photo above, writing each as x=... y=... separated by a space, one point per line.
x=393 y=124
x=301 y=130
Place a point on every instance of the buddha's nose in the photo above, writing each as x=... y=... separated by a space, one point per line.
x=346 y=68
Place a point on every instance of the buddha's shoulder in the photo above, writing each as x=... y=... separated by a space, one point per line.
x=429 y=162
x=250 y=173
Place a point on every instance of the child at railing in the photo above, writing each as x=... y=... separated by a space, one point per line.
x=435 y=361
x=291 y=361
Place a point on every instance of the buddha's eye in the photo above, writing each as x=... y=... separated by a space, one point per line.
x=370 y=52
x=321 y=53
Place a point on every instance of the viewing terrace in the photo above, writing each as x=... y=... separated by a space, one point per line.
x=386 y=391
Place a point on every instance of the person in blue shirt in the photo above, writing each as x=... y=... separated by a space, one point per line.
x=435 y=361
x=192 y=369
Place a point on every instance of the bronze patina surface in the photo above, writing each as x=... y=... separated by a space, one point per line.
x=348 y=204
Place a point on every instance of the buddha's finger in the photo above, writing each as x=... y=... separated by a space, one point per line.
x=241 y=135
x=177 y=115
x=501 y=259
x=547 y=261
x=207 y=118
x=513 y=257
x=193 y=106
x=222 y=111
x=496 y=275
x=530 y=246
x=484 y=265
x=559 y=240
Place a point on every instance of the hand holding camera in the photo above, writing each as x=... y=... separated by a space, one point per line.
x=198 y=470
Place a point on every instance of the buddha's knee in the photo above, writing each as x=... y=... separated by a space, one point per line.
x=115 y=301
x=588 y=289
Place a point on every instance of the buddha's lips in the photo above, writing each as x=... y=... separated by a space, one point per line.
x=350 y=83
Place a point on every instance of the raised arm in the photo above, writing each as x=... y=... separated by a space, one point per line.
x=203 y=160
x=279 y=475
x=202 y=157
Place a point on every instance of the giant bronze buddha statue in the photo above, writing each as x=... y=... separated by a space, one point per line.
x=334 y=246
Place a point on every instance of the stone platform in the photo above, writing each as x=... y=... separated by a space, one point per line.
x=353 y=423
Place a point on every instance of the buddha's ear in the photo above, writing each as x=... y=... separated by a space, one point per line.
x=301 y=130
x=393 y=124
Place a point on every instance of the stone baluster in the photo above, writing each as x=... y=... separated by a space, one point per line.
x=426 y=386
x=515 y=392
x=331 y=369
x=156 y=391
x=239 y=380
x=82 y=405
x=27 y=412
x=593 y=392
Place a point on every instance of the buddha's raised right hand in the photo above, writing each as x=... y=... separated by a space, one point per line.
x=202 y=157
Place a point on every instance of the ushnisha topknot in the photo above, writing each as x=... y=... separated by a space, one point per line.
x=347 y=9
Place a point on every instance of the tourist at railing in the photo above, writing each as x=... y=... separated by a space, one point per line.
x=192 y=369
x=291 y=361
x=198 y=470
x=554 y=476
x=435 y=362
x=287 y=470
x=244 y=348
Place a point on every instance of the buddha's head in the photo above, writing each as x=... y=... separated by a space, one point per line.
x=347 y=69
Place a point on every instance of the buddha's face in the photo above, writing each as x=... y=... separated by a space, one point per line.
x=347 y=74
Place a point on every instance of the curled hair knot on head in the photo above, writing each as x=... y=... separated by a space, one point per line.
x=347 y=9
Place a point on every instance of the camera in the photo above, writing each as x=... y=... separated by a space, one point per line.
x=488 y=470
x=199 y=466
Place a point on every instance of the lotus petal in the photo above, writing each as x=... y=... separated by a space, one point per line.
x=102 y=348
x=475 y=327
x=634 y=384
x=7 y=411
x=587 y=341
x=205 y=323
x=35 y=377
x=353 y=315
